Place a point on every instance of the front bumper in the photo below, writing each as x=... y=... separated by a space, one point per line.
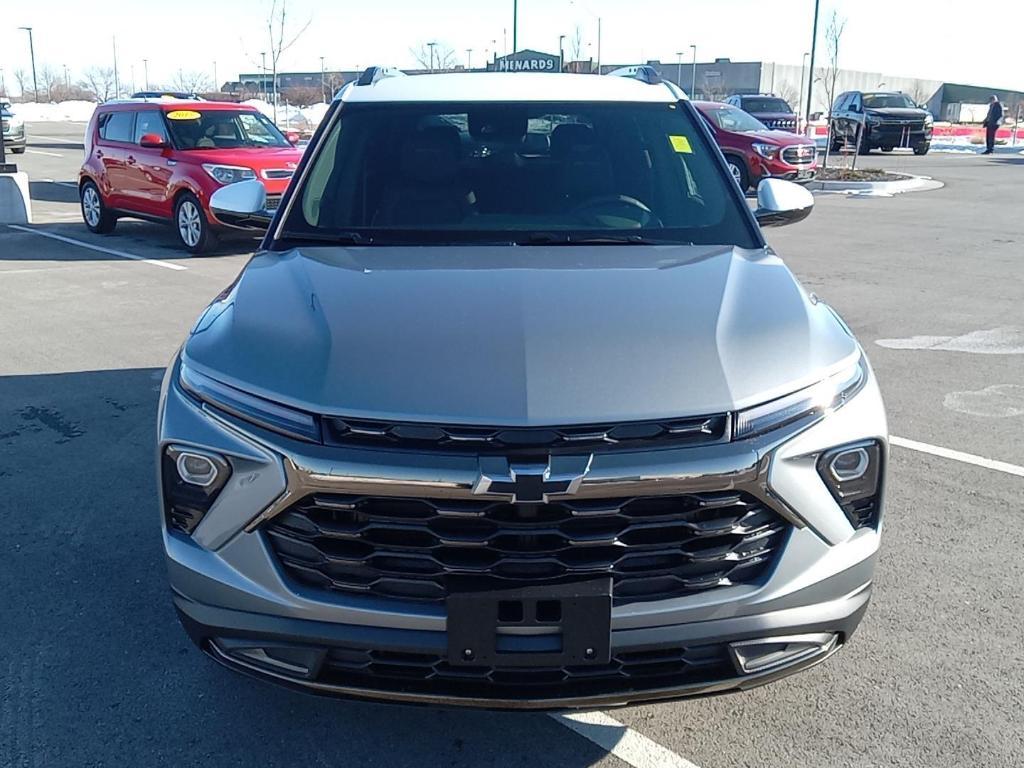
x=15 y=140
x=238 y=604
x=892 y=135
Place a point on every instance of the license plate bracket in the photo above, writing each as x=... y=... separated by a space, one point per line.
x=536 y=626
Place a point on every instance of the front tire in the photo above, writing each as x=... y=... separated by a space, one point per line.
x=193 y=228
x=738 y=169
x=18 y=151
x=922 y=149
x=95 y=213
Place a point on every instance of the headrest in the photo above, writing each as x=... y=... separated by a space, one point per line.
x=572 y=139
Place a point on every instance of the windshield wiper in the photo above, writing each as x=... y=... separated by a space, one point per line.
x=552 y=238
x=334 y=238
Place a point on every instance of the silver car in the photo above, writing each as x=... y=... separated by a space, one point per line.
x=516 y=408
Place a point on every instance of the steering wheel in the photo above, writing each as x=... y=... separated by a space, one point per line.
x=592 y=210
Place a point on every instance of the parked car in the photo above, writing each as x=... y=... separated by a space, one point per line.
x=753 y=151
x=516 y=408
x=880 y=120
x=162 y=159
x=772 y=110
x=13 y=129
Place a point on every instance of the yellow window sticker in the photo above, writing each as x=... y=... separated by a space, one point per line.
x=681 y=144
x=188 y=114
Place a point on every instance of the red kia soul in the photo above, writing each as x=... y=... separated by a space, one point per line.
x=162 y=159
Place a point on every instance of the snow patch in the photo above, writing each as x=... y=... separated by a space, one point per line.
x=1007 y=340
x=1001 y=401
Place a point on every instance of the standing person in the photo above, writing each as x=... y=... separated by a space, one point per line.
x=993 y=120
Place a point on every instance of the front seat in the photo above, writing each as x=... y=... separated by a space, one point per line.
x=583 y=168
x=429 y=191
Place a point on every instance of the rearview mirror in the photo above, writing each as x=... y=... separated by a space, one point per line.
x=152 y=141
x=242 y=204
x=782 y=202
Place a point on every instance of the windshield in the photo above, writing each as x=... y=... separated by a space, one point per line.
x=733 y=119
x=772 y=106
x=222 y=129
x=524 y=173
x=887 y=100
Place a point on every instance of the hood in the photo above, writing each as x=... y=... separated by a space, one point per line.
x=518 y=336
x=251 y=157
x=782 y=138
x=896 y=112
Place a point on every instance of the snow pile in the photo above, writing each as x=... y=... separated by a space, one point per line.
x=65 y=111
x=290 y=117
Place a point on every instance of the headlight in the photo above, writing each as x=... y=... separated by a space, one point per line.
x=928 y=119
x=809 y=403
x=229 y=174
x=872 y=119
x=15 y=122
x=263 y=413
x=767 y=151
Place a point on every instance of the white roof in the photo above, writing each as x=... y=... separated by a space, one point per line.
x=508 y=86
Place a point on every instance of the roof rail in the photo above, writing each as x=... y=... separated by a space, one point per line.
x=374 y=74
x=645 y=73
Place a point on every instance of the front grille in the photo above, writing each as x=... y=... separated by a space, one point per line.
x=800 y=154
x=273 y=202
x=780 y=123
x=508 y=440
x=430 y=673
x=422 y=549
x=278 y=173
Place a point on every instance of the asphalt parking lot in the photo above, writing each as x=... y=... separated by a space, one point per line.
x=97 y=672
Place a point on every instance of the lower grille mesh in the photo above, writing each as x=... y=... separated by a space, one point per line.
x=421 y=549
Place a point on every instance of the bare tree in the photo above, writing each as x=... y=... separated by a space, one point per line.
x=281 y=38
x=191 y=82
x=576 y=44
x=829 y=74
x=51 y=83
x=99 y=81
x=714 y=88
x=441 y=59
x=788 y=92
x=21 y=78
x=920 y=92
x=302 y=96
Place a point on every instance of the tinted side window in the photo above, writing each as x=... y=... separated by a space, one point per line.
x=149 y=121
x=118 y=127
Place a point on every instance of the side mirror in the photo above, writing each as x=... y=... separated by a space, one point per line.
x=242 y=204
x=293 y=137
x=782 y=202
x=152 y=141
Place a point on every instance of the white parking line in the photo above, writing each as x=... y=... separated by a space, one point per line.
x=620 y=740
x=91 y=247
x=966 y=458
x=71 y=184
x=57 y=139
x=41 y=152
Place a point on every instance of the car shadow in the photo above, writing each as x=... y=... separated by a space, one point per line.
x=52 y=192
x=98 y=671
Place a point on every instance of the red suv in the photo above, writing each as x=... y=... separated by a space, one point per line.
x=162 y=159
x=753 y=151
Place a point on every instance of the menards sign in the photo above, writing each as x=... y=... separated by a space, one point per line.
x=527 y=61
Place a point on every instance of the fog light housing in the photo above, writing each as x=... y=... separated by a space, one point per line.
x=853 y=474
x=192 y=479
x=768 y=653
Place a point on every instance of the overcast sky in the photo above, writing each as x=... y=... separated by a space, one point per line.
x=897 y=38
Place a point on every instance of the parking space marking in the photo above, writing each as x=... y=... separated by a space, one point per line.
x=620 y=740
x=57 y=139
x=71 y=184
x=966 y=458
x=100 y=249
x=42 y=152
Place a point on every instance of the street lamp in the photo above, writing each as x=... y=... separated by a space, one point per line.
x=145 y=71
x=814 y=48
x=263 y=74
x=679 y=68
x=431 y=46
x=32 y=53
x=561 y=54
x=515 y=25
x=323 y=86
x=693 y=78
x=469 y=58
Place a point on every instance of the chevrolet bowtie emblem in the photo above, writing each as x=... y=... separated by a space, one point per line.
x=530 y=482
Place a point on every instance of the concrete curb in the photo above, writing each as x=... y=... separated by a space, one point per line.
x=876 y=188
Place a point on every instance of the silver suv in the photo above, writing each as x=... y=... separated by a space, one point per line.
x=515 y=408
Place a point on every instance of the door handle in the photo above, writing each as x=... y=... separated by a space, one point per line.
x=131 y=160
x=99 y=153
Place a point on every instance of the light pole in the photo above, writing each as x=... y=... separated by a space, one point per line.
x=216 y=85
x=679 y=68
x=431 y=46
x=469 y=58
x=323 y=86
x=561 y=54
x=515 y=25
x=814 y=48
x=145 y=72
x=117 y=84
x=803 y=64
x=693 y=75
x=32 y=54
x=263 y=75
x=67 y=80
